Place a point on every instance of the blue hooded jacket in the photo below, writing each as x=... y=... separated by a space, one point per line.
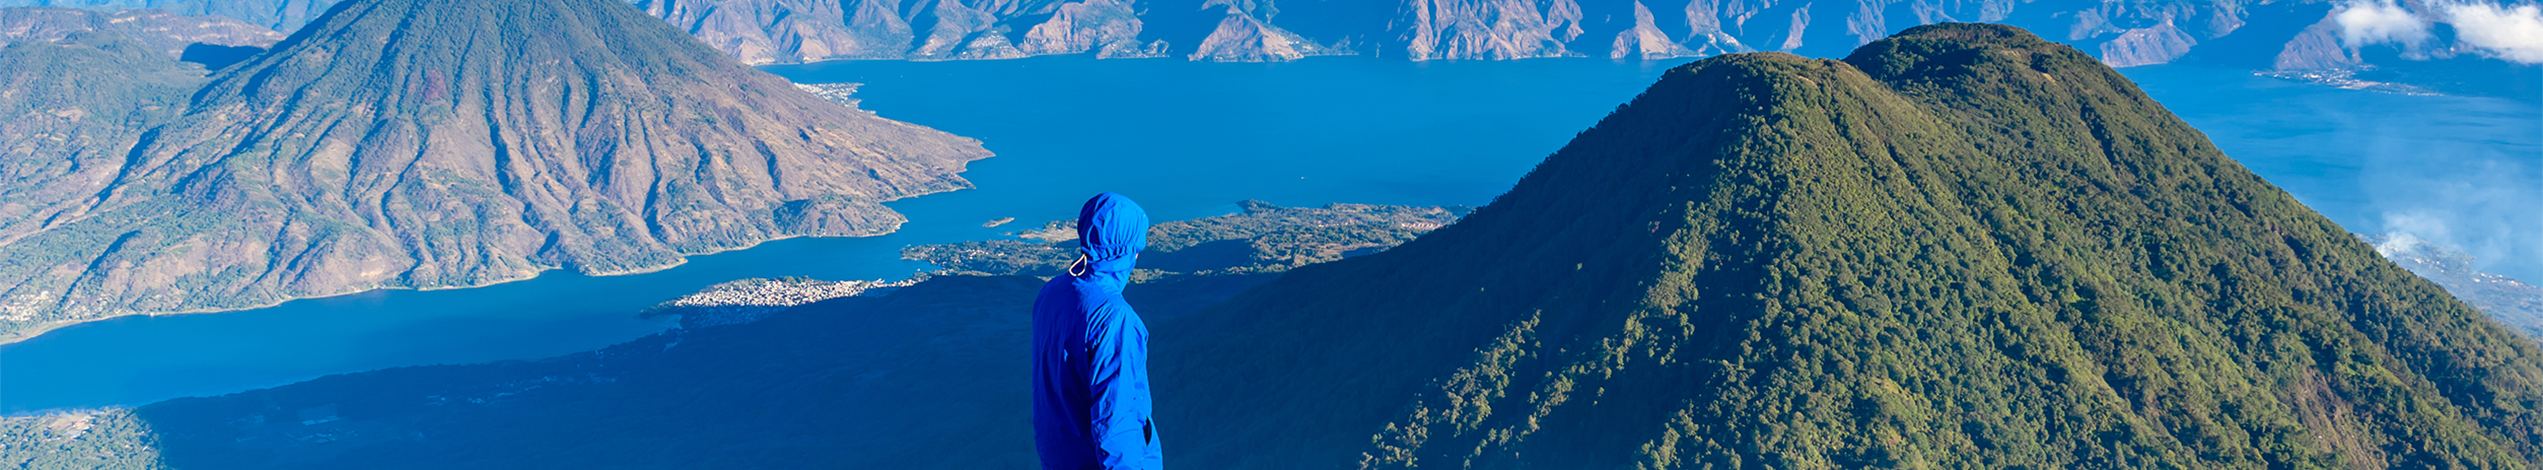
x=1090 y=351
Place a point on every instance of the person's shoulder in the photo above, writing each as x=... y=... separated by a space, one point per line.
x=1057 y=293
x=1113 y=310
x=1058 y=283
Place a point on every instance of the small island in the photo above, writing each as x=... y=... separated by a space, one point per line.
x=748 y=300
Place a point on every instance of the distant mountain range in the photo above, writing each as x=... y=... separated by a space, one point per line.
x=417 y=144
x=1960 y=247
x=2420 y=45
x=167 y=32
x=284 y=15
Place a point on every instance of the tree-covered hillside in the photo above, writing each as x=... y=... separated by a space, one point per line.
x=1961 y=247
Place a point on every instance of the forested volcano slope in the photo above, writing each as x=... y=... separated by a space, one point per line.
x=1961 y=247
x=448 y=143
x=64 y=129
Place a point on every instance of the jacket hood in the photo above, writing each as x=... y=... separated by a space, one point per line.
x=1110 y=232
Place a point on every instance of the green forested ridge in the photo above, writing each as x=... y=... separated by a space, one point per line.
x=450 y=143
x=1960 y=247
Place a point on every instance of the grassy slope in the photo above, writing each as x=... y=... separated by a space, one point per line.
x=1961 y=247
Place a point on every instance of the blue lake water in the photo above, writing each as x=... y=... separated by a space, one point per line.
x=1189 y=140
x=2465 y=172
x=1185 y=139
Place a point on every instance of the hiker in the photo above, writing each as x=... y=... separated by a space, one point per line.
x=1090 y=351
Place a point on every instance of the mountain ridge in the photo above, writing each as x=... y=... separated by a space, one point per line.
x=285 y=15
x=2405 y=46
x=2299 y=36
x=159 y=29
x=1962 y=245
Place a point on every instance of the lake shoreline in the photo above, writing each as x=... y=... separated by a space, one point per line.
x=681 y=260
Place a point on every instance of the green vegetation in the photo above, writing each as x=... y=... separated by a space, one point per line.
x=83 y=440
x=1961 y=247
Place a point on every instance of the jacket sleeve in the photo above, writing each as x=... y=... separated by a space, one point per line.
x=1118 y=378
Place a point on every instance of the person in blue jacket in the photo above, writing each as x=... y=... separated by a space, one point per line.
x=1090 y=351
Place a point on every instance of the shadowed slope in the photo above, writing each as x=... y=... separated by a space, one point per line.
x=925 y=376
x=1962 y=246
x=445 y=143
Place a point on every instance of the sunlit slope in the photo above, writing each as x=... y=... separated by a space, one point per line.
x=1960 y=247
x=447 y=143
x=69 y=112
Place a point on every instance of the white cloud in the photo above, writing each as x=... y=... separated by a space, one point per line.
x=2419 y=226
x=2397 y=242
x=2371 y=22
x=2515 y=34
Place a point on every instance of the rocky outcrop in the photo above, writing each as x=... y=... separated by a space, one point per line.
x=2316 y=48
x=472 y=143
x=784 y=31
x=1241 y=38
x=159 y=30
x=1108 y=27
x=1488 y=29
x=2146 y=46
x=1646 y=41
